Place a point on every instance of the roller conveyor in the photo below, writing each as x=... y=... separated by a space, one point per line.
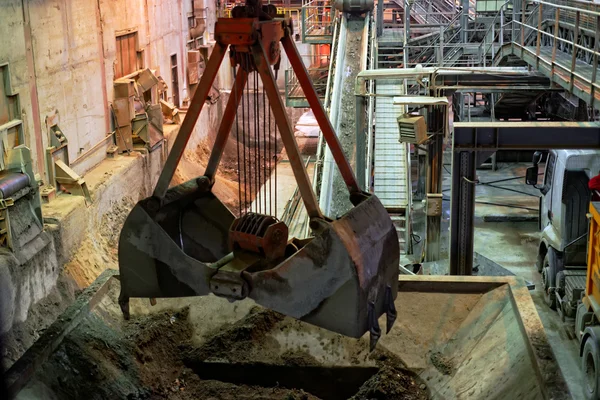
x=12 y=182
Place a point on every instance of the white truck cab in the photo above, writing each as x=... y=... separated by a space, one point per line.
x=564 y=202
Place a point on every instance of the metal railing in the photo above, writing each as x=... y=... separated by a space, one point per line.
x=318 y=70
x=317 y=21
x=560 y=39
x=435 y=11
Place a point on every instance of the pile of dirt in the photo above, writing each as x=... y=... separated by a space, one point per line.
x=99 y=361
x=392 y=381
x=154 y=357
x=245 y=340
x=441 y=363
x=99 y=250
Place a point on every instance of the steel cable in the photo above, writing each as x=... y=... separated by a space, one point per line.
x=237 y=141
x=244 y=149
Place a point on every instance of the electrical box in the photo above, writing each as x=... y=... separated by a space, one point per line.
x=434 y=204
x=413 y=129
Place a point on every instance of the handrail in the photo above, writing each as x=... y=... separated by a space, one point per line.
x=436 y=38
x=500 y=13
x=569 y=8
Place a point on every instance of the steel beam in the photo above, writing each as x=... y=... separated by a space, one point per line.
x=498 y=79
x=487 y=136
x=471 y=139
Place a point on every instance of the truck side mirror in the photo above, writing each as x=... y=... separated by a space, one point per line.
x=531 y=175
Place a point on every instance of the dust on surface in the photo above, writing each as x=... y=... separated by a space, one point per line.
x=346 y=132
x=426 y=325
x=99 y=250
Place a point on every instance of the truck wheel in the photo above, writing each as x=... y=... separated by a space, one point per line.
x=539 y=262
x=589 y=367
x=549 y=279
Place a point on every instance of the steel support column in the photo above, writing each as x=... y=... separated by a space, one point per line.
x=379 y=21
x=422 y=175
x=435 y=153
x=407 y=6
x=464 y=20
x=361 y=143
x=462 y=209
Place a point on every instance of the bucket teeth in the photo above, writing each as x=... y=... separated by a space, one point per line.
x=390 y=307
x=124 y=304
x=374 y=329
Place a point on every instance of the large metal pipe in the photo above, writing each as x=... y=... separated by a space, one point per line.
x=328 y=163
x=354 y=6
x=199 y=14
x=432 y=73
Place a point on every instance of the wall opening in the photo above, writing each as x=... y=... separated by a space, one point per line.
x=175 y=79
x=127 y=55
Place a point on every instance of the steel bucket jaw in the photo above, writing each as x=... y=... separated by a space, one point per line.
x=343 y=279
x=169 y=250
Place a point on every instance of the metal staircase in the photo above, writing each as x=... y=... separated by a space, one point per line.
x=391 y=172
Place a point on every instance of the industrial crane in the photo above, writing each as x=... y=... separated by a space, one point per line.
x=183 y=241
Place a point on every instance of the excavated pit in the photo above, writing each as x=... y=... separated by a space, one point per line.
x=454 y=338
x=186 y=349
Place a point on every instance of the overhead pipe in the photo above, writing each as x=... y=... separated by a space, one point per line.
x=328 y=163
x=432 y=73
x=199 y=15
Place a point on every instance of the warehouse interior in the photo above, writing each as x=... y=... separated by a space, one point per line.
x=299 y=199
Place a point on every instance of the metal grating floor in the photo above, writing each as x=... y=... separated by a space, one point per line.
x=391 y=156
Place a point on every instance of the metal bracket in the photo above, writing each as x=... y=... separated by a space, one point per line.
x=68 y=178
x=5 y=203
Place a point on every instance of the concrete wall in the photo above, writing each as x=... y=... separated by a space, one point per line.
x=76 y=231
x=69 y=71
x=72 y=55
x=13 y=54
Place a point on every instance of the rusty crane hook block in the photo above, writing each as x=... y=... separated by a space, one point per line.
x=183 y=241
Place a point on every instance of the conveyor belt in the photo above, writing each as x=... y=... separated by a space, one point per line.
x=11 y=183
x=391 y=162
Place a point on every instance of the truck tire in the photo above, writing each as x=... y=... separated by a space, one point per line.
x=539 y=262
x=590 y=369
x=549 y=278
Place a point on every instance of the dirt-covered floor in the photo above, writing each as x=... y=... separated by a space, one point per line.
x=186 y=349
